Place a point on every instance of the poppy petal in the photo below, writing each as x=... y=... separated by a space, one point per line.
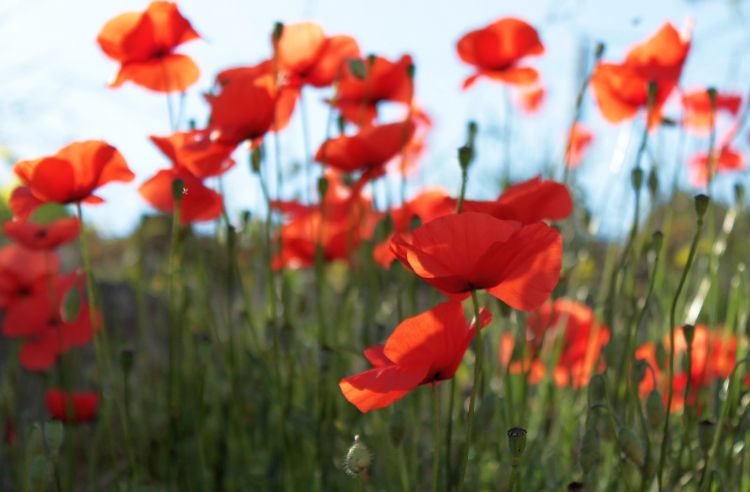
x=381 y=386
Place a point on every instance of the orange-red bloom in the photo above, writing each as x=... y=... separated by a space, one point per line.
x=70 y=176
x=339 y=226
x=370 y=149
x=357 y=98
x=519 y=264
x=697 y=107
x=713 y=357
x=198 y=203
x=621 y=89
x=424 y=349
x=579 y=140
x=144 y=43
x=727 y=159
x=498 y=51
x=306 y=56
x=583 y=340
x=72 y=407
x=196 y=152
x=248 y=103
x=530 y=100
x=42 y=236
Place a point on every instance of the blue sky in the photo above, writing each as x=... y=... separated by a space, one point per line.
x=54 y=86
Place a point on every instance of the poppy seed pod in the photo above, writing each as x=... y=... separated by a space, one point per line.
x=358 y=458
x=465 y=156
x=178 y=189
x=597 y=391
x=655 y=411
x=706 y=432
x=688 y=331
x=631 y=446
x=516 y=441
x=701 y=205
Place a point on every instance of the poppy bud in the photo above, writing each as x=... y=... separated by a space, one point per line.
x=701 y=205
x=655 y=409
x=597 y=391
x=516 y=441
x=411 y=69
x=604 y=426
x=127 y=357
x=256 y=157
x=657 y=239
x=472 y=129
x=712 y=93
x=590 y=452
x=639 y=370
x=341 y=124
x=706 y=432
x=653 y=182
x=322 y=187
x=358 y=458
x=357 y=68
x=688 y=331
x=278 y=30
x=636 y=178
x=465 y=156
x=631 y=446
x=653 y=87
x=739 y=194
x=599 y=50
x=178 y=189
x=371 y=59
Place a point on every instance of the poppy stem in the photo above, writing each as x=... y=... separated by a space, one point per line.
x=436 y=438
x=477 y=375
x=672 y=316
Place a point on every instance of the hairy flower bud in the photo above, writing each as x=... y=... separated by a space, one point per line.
x=358 y=458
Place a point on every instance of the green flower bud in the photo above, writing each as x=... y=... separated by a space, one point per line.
x=701 y=205
x=706 y=432
x=653 y=182
x=653 y=87
x=655 y=411
x=712 y=93
x=472 y=129
x=590 y=452
x=599 y=50
x=256 y=157
x=358 y=458
x=278 y=30
x=465 y=156
x=411 y=70
x=516 y=441
x=632 y=447
x=657 y=239
x=178 y=189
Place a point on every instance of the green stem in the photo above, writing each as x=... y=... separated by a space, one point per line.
x=436 y=438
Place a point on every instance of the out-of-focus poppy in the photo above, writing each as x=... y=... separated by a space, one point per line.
x=42 y=236
x=358 y=94
x=498 y=51
x=406 y=162
x=40 y=351
x=519 y=264
x=369 y=149
x=306 y=56
x=248 y=102
x=726 y=159
x=339 y=226
x=621 y=89
x=75 y=408
x=423 y=349
x=144 y=43
x=697 y=107
x=70 y=176
x=579 y=140
x=198 y=203
x=713 y=357
x=530 y=100
x=583 y=339
x=196 y=152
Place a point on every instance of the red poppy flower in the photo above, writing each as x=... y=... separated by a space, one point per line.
x=714 y=355
x=527 y=202
x=72 y=407
x=40 y=352
x=622 y=89
x=357 y=98
x=199 y=203
x=697 y=107
x=406 y=162
x=583 y=340
x=371 y=148
x=498 y=50
x=45 y=237
x=238 y=89
x=339 y=226
x=144 y=43
x=70 y=176
x=579 y=140
x=530 y=100
x=307 y=56
x=519 y=264
x=196 y=152
x=424 y=349
x=727 y=159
